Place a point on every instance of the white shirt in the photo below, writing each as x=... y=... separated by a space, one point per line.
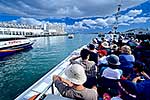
x=102 y=60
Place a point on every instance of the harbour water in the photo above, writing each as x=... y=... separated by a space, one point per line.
x=21 y=70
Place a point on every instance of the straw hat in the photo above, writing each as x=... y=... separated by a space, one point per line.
x=76 y=74
x=113 y=59
x=105 y=44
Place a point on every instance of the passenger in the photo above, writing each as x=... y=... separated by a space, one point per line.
x=114 y=49
x=98 y=41
x=108 y=81
x=105 y=46
x=126 y=60
x=120 y=42
x=112 y=71
x=135 y=90
x=142 y=52
x=73 y=87
x=95 y=42
x=89 y=66
x=132 y=43
x=93 y=53
x=102 y=57
x=103 y=39
x=137 y=42
x=138 y=70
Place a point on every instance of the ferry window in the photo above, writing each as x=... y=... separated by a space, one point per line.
x=5 y=32
x=1 y=32
x=9 y=33
x=16 y=33
x=13 y=33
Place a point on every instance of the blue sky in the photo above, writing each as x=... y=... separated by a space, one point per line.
x=78 y=15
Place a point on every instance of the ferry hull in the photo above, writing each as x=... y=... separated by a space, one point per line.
x=12 y=50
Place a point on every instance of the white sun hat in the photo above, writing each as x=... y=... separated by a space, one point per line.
x=105 y=44
x=76 y=74
x=114 y=47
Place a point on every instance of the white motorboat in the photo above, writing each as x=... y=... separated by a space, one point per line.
x=70 y=36
x=10 y=44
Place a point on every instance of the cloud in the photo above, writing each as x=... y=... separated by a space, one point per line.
x=110 y=20
x=124 y=24
x=88 y=21
x=68 y=11
x=134 y=13
x=75 y=27
x=30 y=21
x=140 y=20
x=101 y=22
x=63 y=8
x=125 y=18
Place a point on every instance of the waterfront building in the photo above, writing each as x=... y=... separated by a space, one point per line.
x=9 y=28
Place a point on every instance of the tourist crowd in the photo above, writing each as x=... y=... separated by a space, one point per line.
x=108 y=70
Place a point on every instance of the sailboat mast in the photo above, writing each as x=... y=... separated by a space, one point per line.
x=116 y=18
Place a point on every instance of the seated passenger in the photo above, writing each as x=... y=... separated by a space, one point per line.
x=102 y=61
x=114 y=49
x=89 y=66
x=126 y=60
x=93 y=53
x=135 y=91
x=112 y=71
x=138 y=70
x=105 y=46
x=95 y=42
x=73 y=87
x=110 y=76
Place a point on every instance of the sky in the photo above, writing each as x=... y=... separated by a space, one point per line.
x=78 y=15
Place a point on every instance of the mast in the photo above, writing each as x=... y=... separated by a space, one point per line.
x=115 y=26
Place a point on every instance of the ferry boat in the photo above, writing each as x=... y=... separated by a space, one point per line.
x=70 y=36
x=10 y=44
x=44 y=89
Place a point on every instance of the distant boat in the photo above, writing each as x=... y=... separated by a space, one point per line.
x=70 y=36
x=10 y=44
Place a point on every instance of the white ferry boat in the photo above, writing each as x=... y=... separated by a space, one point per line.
x=70 y=36
x=44 y=89
x=10 y=44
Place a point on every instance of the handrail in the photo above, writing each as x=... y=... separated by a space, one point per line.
x=40 y=97
x=52 y=88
